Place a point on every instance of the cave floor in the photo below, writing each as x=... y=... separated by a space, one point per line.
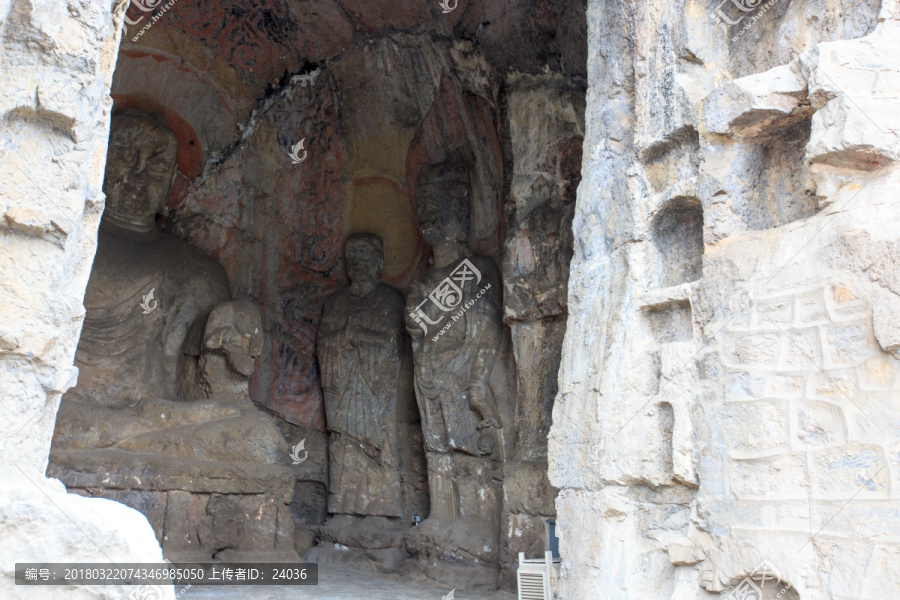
x=336 y=583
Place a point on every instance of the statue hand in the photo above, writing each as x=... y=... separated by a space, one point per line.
x=415 y=331
x=365 y=336
x=415 y=297
x=478 y=391
x=479 y=394
x=489 y=422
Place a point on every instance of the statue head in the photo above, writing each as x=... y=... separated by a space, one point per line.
x=442 y=200
x=140 y=167
x=364 y=256
x=234 y=330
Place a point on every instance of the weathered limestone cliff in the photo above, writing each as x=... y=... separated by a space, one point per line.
x=728 y=388
x=56 y=61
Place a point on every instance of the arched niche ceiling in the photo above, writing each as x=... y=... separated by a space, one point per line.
x=202 y=112
x=212 y=61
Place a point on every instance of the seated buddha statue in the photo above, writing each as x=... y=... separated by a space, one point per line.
x=131 y=349
x=161 y=409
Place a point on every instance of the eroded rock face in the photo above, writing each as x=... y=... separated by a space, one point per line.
x=278 y=228
x=54 y=120
x=727 y=371
x=546 y=169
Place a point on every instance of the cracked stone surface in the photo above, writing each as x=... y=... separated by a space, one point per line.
x=728 y=384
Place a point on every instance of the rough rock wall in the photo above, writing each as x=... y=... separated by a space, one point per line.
x=209 y=62
x=57 y=62
x=275 y=227
x=371 y=117
x=545 y=125
x=728 y=388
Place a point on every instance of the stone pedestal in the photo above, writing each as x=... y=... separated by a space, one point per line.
x=200 y=509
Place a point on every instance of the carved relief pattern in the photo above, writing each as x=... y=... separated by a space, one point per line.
x=247 y=34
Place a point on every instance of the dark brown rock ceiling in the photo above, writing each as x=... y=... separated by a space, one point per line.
x=263 y=39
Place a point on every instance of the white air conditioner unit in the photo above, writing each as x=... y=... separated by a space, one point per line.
x=537 y=577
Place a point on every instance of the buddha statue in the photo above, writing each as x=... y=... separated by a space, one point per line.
x=126 y=352
x=454 y=319
x=161 y=415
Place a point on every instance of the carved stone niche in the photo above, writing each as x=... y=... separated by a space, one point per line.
x=677 y=232
x=161 y=418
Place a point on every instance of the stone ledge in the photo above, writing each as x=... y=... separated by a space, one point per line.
x=114 y=469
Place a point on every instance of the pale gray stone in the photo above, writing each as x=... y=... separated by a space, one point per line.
x=775 y=363
x=53 y=147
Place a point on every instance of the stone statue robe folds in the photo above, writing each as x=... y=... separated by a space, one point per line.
x=125 y=355
x=460 y=349
x=361 y=351
x=454 y=360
